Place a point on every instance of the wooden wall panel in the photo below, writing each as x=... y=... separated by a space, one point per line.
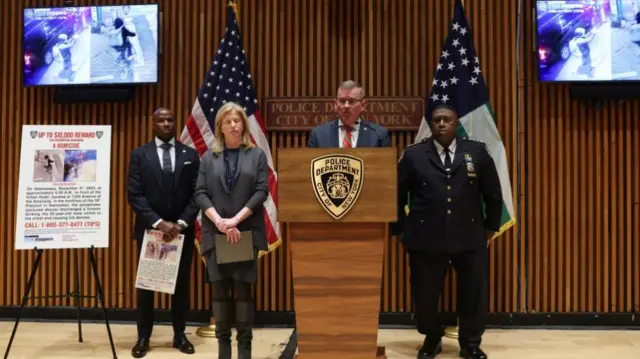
x=580 y=195
x=574 y=249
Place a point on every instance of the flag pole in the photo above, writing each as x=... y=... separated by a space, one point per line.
x=234 y=6
x=453 y=332
x=209 y=331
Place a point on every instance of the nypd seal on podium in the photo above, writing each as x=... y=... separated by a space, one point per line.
x=337 y=182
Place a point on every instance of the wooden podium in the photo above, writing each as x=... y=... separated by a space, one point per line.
x=337 y=204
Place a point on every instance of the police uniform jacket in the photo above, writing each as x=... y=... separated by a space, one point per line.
x=446 y=207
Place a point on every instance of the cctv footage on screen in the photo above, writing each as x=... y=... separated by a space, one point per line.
x=589 y=40
x=90 y=45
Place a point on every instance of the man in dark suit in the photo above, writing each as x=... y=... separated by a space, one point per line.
x=448 y=178
x=162 y=180
x=350 y=130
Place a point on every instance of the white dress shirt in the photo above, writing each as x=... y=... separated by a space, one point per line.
x=441 y=153
x=354 y=133
x=172 y=154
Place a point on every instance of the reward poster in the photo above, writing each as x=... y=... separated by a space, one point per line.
x=63 y=195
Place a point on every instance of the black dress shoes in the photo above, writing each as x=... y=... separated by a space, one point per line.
x=140 y=349
x=183 y=344
x=472 y=353
x=430 y=348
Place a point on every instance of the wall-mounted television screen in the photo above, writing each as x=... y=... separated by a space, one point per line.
x=588 y=40
x=92 y=45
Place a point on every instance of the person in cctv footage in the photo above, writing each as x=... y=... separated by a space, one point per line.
x=119 y=39
x=582 y=40
x=50 y=167
x=62 y=53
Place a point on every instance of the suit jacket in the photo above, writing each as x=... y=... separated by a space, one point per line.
x=369 y=135
x=251 y=190
x=149 y=199
x=446 y=208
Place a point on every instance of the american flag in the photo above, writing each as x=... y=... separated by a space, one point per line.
x=228 y=79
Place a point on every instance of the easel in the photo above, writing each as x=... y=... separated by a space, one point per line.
x=75 y=294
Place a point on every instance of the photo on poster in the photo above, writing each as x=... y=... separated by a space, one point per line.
x=153 y=251
x=169 y=253
x=48 y=166
x=80 y=165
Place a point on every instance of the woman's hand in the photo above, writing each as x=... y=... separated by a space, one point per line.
x=226 y=224
x=218 y=223
x=233 y=236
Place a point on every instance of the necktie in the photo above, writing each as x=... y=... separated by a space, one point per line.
x=166 y=158
x=346 y=140
x=447 y=158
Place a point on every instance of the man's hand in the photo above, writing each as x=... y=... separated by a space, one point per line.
x=177 y=228
x=169 y=228
x=165 y=227
x=233 y=236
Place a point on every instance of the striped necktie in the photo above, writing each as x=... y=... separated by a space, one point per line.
x=346 y=140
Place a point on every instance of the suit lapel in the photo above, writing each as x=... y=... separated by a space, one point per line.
x=151 y=152
x=362 y=135
x=241 y=156
x=179 y=163
x=219 y=168
x=434 y=156
x=459 y=156
x=335 y=136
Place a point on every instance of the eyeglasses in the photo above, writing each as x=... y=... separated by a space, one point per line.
x=344 y=101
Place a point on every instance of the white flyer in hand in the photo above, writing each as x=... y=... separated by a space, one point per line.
x=159 y=262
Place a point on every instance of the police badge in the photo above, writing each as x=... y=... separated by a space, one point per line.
x=337 y=182
x=471 y=172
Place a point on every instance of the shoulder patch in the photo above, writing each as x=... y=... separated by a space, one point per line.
x=469 y=139
x=424 y=140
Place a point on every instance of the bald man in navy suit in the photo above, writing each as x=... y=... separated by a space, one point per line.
x=161 y=184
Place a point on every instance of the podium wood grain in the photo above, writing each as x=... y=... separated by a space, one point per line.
x=337 y=271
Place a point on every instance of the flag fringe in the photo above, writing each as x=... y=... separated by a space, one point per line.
x=272 y=247
x=504 y=227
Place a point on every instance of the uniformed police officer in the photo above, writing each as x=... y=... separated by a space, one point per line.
x=448 y=177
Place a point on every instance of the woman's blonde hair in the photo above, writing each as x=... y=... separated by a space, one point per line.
x=226 y=109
